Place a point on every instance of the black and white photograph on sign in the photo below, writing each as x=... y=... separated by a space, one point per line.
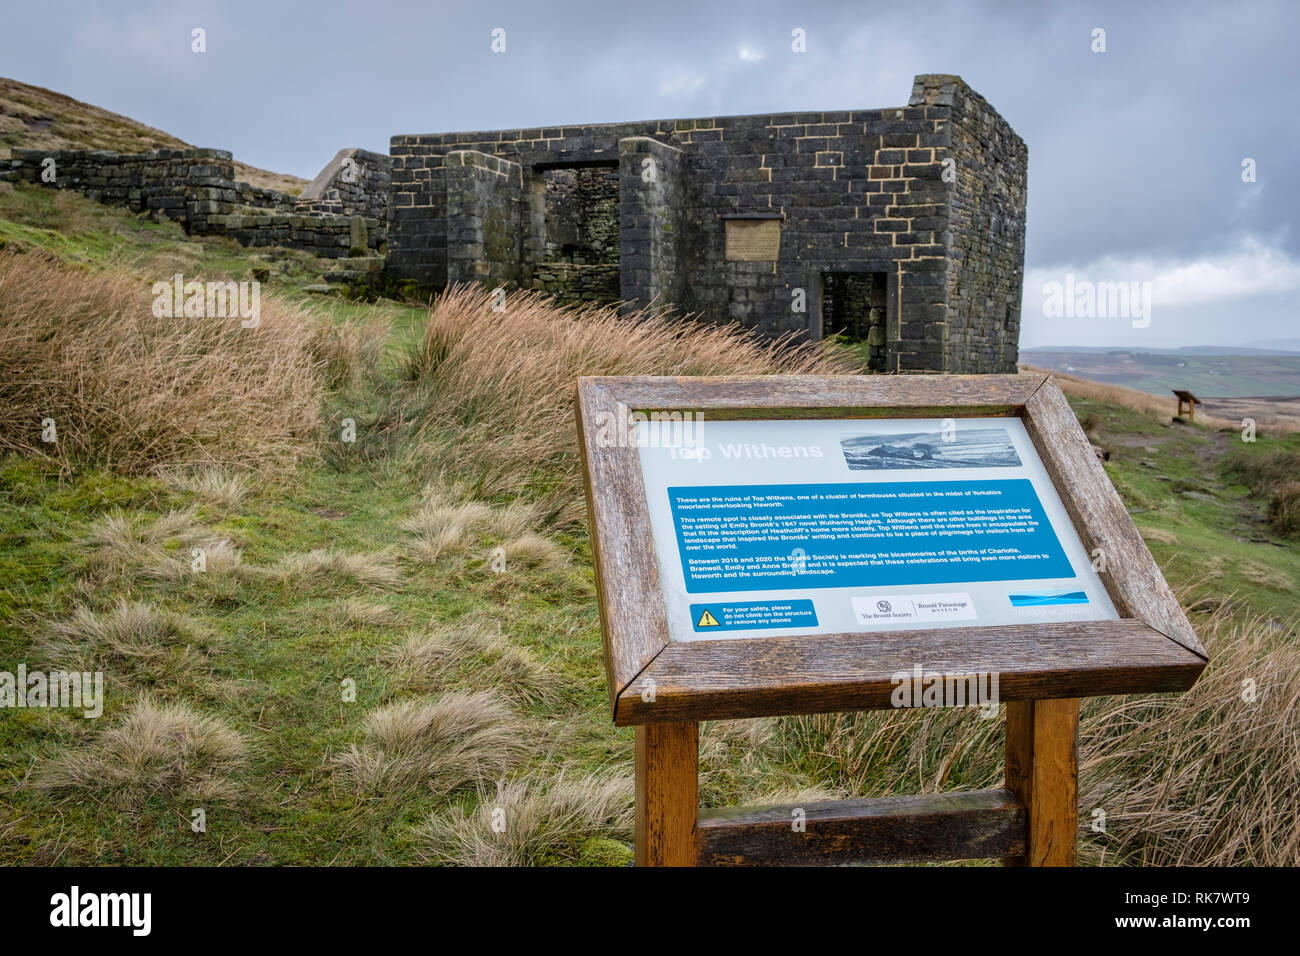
x=973 y=448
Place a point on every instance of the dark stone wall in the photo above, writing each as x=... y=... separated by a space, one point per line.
x=581 y=215
x=482 y=214
x=855 y=190
x=197 y=188
x=986 y=230
x=355 y=182
x=653 y=208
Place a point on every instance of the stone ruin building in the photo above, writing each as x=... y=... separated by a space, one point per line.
x=903 y=227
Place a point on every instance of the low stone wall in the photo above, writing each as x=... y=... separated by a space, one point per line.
x=572 y=282
x=197 y=188
x=354 y=183
x=330 y=237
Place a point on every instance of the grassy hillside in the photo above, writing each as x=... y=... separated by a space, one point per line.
x=35 y=118
x=352 y=679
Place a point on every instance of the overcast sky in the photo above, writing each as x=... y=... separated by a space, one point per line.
x=1135 y=154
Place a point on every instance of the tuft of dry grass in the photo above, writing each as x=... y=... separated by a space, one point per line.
x=476 y=654
x=360 y=613
x=134 y=642
x=530 y=822
x=440 y=529
x=167 y=750
x=1206 y=778
x=134 y=391
x=492 y=393
x=456 y=740
x=161 y=549
x=1284 y=509
x=532 y=551
x=349 y=352
x=446 y=528
x=327 y=564
x=214 y=486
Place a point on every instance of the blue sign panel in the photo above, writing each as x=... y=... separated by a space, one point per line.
x=785 y=537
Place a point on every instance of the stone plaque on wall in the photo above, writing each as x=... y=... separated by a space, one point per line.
x=753 y=240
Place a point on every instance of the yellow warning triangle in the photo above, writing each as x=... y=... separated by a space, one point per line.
x=708 y=620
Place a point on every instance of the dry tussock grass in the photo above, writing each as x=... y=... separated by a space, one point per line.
x=472 y=653
x=167 y=750
x=160 y=549
x=218 y=487
x=497 y=388
x=135 y=643
x=1205 y=778
x=377 y=569
x=360 y=613
x=349 y=352
x=135 y=392
x=544 y=822
x=445 y=526
x=532 y=551
x=457 y=740
x=733 y=764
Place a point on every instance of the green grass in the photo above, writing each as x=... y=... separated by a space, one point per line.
x=282 y=663
x=80 y=230
x=1204 y=531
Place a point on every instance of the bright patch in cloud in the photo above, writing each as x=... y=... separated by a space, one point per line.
x=681 y=83
x=1251 y=268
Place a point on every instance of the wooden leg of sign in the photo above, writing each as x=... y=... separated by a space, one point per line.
x=667 y=794
x=1042 y=769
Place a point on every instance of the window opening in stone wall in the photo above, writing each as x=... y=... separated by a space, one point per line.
x=579 y=256
x=853 y=307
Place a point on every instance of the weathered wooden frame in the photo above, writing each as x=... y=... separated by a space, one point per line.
x=1151 y=648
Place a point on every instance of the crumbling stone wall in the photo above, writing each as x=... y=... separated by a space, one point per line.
x=197 y=188
x=652 y=218
x=354 y=183
x=931 y=195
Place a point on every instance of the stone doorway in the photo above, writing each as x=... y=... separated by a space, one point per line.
x=854 y=308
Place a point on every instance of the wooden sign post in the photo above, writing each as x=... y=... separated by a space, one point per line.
x=792 y=545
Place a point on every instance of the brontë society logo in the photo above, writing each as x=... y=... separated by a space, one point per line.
x=76 y=690
x=208 y=300
x=922 y=688
x=75 y=908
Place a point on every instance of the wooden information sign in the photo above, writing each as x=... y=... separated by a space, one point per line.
x=804 y=544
